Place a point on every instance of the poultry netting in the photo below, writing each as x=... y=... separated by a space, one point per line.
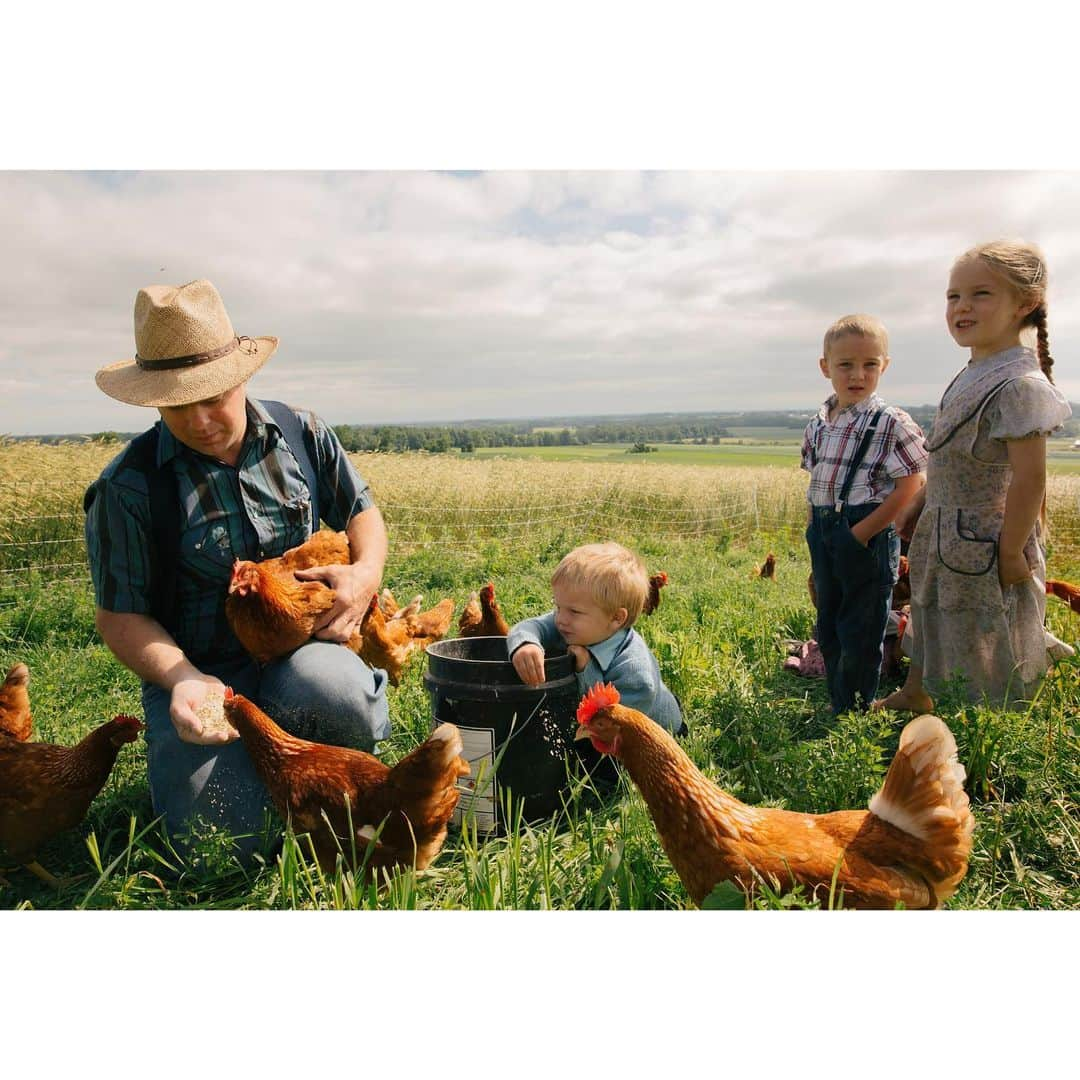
x=473 y=506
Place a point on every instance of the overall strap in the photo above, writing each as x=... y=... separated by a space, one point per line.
x=856 y=461
x=293 y=431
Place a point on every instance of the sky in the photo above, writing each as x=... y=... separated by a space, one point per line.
x=423 y=295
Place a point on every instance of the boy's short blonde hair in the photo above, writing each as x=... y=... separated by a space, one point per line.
x=864 y=325
x=612 y=575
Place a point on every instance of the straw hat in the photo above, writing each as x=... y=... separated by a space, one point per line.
x=186 y=347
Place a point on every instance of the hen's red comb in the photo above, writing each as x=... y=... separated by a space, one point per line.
x=599 y=697
x=229 y=695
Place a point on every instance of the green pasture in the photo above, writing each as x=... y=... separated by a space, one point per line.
x=721 y=455
x=744 y=450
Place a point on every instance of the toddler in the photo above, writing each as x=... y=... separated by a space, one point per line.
x=599 y=591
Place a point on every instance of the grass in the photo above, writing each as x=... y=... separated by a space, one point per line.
x=758 y=731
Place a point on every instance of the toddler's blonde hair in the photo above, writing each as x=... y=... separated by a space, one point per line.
x=864 y=325
x=1022 y=266
x=612 y=575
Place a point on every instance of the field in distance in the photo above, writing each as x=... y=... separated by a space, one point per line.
x=743 y=450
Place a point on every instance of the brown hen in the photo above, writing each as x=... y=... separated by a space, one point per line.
x=911 y=846
x=387 y=644
x=402 y=811
x=15 y=718
x=431 y=625
x=45 y=789
x=273 y=613
x=652 y=601
x=482 y=616
x=1064 y=590
x=270 y=611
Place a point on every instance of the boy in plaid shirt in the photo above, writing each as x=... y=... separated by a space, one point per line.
x=865 y=460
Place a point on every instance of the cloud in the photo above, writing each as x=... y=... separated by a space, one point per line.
x=419 y=295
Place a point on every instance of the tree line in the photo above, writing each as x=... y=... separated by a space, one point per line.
x=439 y=439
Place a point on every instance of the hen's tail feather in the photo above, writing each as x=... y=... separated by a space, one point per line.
x=923 y=795
x=434 y=756
x=18 y=674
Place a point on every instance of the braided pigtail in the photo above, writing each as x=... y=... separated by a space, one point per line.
x=1038 y=319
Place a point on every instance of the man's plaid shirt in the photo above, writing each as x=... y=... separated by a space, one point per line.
x=897 y=449
x=253 y=511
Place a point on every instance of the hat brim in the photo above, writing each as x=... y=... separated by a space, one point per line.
x=128 y=382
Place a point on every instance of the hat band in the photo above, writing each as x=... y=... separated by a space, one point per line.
x=171 y=362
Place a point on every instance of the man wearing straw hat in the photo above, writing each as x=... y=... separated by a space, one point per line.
x=223 y=476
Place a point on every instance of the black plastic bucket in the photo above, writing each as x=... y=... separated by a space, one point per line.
x=473 y=684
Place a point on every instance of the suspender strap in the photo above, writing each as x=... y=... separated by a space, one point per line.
x=856 y=461
x=293 y=432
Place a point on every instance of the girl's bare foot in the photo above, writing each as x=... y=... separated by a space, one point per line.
x=905 y=700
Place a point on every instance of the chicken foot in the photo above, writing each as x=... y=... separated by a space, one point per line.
x=39 y=871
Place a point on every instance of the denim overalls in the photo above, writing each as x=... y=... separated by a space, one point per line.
x=854 y=587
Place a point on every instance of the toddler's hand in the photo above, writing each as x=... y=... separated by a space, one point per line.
x=528 y=662
x=580 y=655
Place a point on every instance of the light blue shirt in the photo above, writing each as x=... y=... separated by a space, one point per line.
x=624 y=660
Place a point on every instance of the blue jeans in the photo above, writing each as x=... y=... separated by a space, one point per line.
x=854 y=592
x=322 y=692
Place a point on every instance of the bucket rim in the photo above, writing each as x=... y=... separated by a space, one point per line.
x=436 y=649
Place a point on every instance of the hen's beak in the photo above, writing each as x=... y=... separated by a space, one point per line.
x=582 y=732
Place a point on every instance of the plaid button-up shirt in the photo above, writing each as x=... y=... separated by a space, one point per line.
x=896 y=449
x=255 y=510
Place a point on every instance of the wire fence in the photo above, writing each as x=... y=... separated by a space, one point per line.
x=41 y=520
x=43 y=528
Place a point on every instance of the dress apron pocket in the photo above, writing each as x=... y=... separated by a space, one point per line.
x=967 y=540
